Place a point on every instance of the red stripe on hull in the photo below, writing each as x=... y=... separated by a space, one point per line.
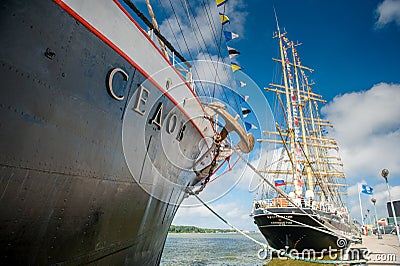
x=127 y=58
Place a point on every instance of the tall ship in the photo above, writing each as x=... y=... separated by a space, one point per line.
x=102 y=134
x=301 y=203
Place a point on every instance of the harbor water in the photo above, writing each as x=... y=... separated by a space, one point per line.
x=217 y=249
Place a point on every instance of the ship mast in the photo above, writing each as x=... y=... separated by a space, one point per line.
x=302 y=136
x=287 y=93
x=303 y=130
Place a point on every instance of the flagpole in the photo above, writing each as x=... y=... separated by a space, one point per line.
x=359 y=199
x=385 y=173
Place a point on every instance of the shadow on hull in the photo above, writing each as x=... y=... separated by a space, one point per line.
x=66 y=193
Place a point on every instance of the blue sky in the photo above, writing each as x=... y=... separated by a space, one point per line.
x=353 y=46
x=340 y=41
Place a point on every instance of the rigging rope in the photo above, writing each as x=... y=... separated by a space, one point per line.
x=229 y=169
x=269 y=248
x=184 y=39
x=289 y=199
x=323 y=229
x=296 y=59
x=150 y=25
x=227 y=223
x=189 y=11
x=187 y=4
x=198 y=47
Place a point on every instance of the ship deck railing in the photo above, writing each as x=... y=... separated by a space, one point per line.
x=166 y=48
x=183 y=67
x=281 y=202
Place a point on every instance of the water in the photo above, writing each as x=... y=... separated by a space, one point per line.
x=210 y=249
x=216 y=249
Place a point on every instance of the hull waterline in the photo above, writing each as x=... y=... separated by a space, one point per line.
x=290 y=229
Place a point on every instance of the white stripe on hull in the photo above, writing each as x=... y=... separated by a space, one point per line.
x=106 y=17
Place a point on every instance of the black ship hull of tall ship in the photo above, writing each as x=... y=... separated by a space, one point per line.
x=71 y=105
x=289 y=229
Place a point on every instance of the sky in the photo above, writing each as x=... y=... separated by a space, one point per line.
x=353 y=46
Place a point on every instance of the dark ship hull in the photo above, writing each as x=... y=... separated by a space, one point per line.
x=292 y=230
x=68 y=192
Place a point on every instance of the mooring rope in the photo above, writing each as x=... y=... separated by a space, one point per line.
x=269 y=248
x=227 y=223
x=328 y=230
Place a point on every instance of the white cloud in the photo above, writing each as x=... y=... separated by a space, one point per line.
x=235 y=10
x=194 y=29
x=367 y=128
x=200 y=32
x=183 y=37
x=211 y=71
x=227 y=182
x=236 y=212
x=388 y=11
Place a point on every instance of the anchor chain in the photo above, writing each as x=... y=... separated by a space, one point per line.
x=211 y=167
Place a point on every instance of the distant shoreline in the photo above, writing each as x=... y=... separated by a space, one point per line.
x=188 y=229
x=179 y=229
x=203 y=233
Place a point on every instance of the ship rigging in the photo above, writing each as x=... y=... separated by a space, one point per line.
x=302 y=206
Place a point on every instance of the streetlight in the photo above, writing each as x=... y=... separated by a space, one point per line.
x=385 y=173
x=376 y=219
x=369 y=217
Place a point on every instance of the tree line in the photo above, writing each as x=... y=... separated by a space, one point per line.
x=194 y=229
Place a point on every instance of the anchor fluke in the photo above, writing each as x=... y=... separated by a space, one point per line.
x=246 y=143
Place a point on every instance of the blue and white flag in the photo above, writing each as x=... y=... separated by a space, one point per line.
x=249 y=126
x=367 y=189
x=243 y=98
x=230 y=35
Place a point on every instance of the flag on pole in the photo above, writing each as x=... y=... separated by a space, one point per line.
x=298 y=182
x=367 y=189
x=232 y=52
x=279 y=182
x=235 y=67
x=245 y=112
x=359 y=200
x=221 y=2
x=224 y=19
x=243 y=98
x=230 y=35
x=249 y=126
